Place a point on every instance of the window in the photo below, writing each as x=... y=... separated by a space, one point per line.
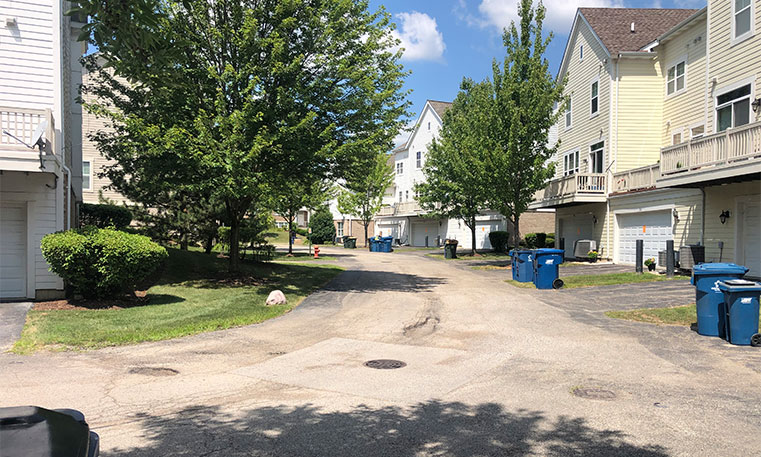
x=675 y=81
x=581 y=52
x=743 y=15
x=406 y=195
x=568 y=114
x=596 y=157
x=571 y=163
x=399 y=168
x=733 y=108
x=595 y=97
x=697 y=131
x=86 y=175
x=400 y=196
x=419 y=160
x=416 y=193
x=339 y=229
x=429 y=126
x=676 y=138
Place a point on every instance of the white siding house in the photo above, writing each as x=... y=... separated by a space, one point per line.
x=39 y=186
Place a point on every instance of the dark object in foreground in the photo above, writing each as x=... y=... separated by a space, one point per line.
x=31 y=431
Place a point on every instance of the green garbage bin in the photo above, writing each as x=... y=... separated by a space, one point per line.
x=350 y=242
x=450 y=249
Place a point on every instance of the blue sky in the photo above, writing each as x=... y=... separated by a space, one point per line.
x=445 y=40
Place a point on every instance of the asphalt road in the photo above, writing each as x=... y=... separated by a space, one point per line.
x=490 y=370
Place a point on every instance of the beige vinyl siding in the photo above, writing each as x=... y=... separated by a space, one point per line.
x=640 y=101
x=683 y=110
x=98 y=185
x=718 y=199
x=732 y=63
x=585 y=130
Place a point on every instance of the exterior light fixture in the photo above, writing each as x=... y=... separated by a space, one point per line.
x=756 y=105
x=724 y=216
x=676 y=215
x=594 y=219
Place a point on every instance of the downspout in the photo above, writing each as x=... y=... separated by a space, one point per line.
x=703 y=217
x=68 y=195
x=611 y=134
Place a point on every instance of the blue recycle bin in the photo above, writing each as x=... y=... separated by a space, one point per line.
x=522 y=264
x=741 y=300
x=709 y=300
x=546 y=263
x=384 y=245
x=373 y=245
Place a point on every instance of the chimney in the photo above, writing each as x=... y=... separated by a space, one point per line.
x=632 y=27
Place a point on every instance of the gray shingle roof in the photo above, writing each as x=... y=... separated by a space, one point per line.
x=440 y=107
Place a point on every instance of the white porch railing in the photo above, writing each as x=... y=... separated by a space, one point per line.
x=713 y=150
x=636 y=178
x=401 y=208
x=567 y=186
x=21 y=123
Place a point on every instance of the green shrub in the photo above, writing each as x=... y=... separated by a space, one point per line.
x=499 y=240
x=536 y=240
x=550 y=241
x=104 y=216
x=101 y=262
x=323 y=230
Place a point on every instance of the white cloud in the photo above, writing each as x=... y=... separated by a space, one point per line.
x=404 y=133
x=559 y=17
x=419 y=36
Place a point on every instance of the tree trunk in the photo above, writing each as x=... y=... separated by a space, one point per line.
x=234 y=265
x=184 y=241
x=209 y=243
x=473 y=237
x=516 y=230
x=290 y=233
x=366 y=224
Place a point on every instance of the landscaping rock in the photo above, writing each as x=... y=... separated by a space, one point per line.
x=276 y=297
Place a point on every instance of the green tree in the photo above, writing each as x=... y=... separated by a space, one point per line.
x=455 y=169
x=362 y=193
x=525 y=93
x=321 y=223
x=291 y=196
x=245 y=94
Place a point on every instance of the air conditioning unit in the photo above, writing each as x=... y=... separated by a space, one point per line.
x=691 y=255
x=581 y=248
x=662 y=258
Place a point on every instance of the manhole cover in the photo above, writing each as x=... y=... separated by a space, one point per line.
x=154 y=371
x=593 y=393
x=385 y=364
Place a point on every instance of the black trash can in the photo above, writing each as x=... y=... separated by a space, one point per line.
x=450 y=249
x=30 y=430
x=350 y=242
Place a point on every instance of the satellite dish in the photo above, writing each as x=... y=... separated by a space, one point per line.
x=37 y=135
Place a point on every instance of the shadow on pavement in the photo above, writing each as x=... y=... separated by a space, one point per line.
x=431 y=428
x=382 y=281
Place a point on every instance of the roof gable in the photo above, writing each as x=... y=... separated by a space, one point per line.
x=438 y=108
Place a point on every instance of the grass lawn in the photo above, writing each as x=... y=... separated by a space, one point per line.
x=301 y=257
x=479 y=256
x=492 y=267
x=677 y=315
x=608 y=279
x=194 y=294
x=278 y=236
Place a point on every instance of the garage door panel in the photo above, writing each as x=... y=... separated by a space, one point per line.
x=574 y=229
x=751 y=239
x=12 y=251
x=653 y=227
x=422 y=229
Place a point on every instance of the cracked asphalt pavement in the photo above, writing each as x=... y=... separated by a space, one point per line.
x=491 y=370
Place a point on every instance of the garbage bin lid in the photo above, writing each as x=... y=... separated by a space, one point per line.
x=718 y=268
x=545 y=251
x=739 y=285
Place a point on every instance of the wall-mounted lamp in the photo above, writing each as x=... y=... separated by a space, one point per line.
x=756 y=105
x=724 y=216
x=594 y=219
x=676 y=215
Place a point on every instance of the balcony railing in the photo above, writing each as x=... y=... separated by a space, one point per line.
x=636 y=179
x=22 y=123
x=715 y=150
x=400 y=209
x=567 y=188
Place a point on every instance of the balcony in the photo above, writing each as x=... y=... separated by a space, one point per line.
x=401 y=209
x=636 y=179
x=734 y=154
x=572 y=189
x=22 y=124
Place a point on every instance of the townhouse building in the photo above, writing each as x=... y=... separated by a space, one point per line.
x=402 y=216
x=662 y=139
x=40 y=140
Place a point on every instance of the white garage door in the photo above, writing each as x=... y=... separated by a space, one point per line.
x=653 y=227
x=422 y=229
x=12 y=250
x=482 y=233
x=575 y=228
x=750 y=247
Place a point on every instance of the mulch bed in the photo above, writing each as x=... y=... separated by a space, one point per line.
x=82 y=304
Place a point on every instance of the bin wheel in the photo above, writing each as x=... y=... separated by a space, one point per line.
x=755 y=340
x=558 y=284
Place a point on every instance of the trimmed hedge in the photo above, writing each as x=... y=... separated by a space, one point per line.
x=536 y=240
x=104 y=216
x=98 y=262
x=499 y=240
x=323 y=229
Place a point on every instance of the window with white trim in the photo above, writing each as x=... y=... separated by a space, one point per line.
x=595 y=100
x=399 y=168
x=400 y=196
x=597 y=157
x=86 y=175
x=733 y=108
x=406 y=195
x=568 y=114
x=419 y=159
x=697 y=131
x=742 y=24
x=676 y=138
x=675 y=79
x=571 y=163
x=581 y=53
x=339 y=229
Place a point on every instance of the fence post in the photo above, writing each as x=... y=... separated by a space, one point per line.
x=670 y=258
x=640 y=253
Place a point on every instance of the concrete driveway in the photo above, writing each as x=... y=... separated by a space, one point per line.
x=490 y=370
